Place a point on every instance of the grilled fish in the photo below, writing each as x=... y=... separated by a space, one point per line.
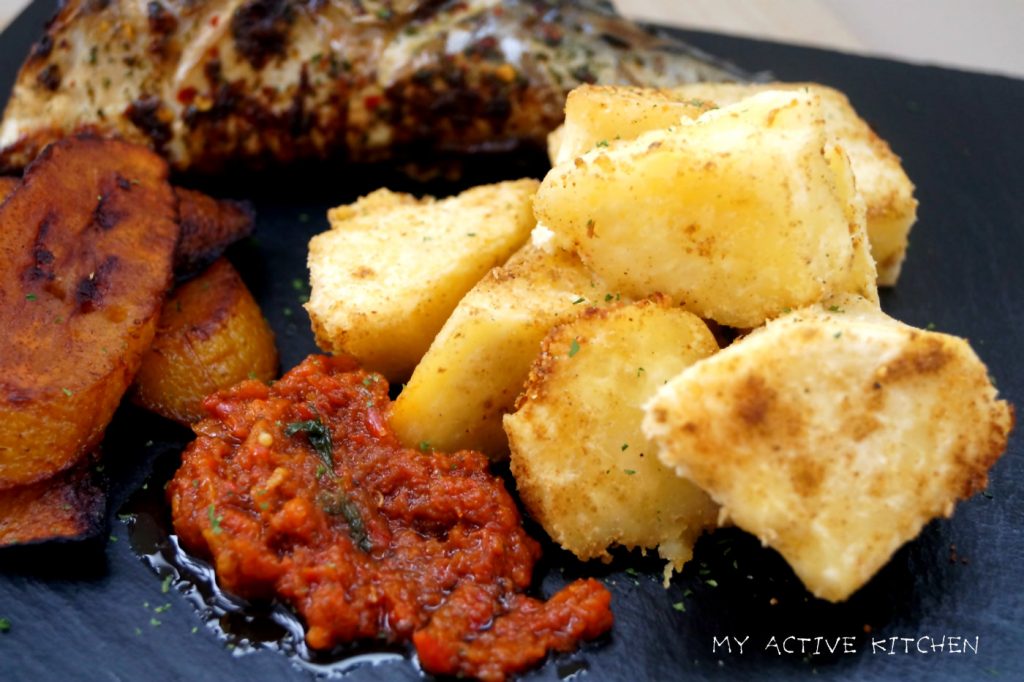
x=212 y=82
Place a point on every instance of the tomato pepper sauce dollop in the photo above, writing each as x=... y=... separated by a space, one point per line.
x=300 y=491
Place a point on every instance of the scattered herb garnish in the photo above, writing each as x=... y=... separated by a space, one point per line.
x=679 y=606
x=215 y=518
x=424 y=445
x=574 y=348
x=165 y=586
x=319 y=437
x=640 y=370
x=336 y=502
x=5 y=625
x=624 y=447
x=629 y=472
x=631 y=571
x=579 y=300
x=835 y=309
x=30 y=297
x=602 y=143
x=712 y=582
x=67 y=391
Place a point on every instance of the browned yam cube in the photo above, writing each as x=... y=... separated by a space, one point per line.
x=211 y=335
x=89 y=237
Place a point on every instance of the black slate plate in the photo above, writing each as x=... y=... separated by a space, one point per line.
x=90 y=611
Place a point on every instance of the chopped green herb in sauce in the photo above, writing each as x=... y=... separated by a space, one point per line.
x=319 y=437
x=574 y=348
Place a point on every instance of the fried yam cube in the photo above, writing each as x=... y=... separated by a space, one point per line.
x=888 y=192
x=211 y=336
x=89 y=236
x=602 y=115
x=475 y=368
x=834 y=435
x=391 y=270
x=738 y=215
x=582 y=466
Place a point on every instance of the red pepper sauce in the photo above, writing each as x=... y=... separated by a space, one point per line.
x=301 y=491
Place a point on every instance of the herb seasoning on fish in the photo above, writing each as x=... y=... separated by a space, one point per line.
x=366 y=538
x=208 y=82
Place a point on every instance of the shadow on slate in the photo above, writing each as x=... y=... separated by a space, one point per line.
x=90 y=613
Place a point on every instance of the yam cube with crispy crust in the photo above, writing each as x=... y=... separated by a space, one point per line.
x=834 y=435
x=211 y=336
x=738 y=215
x=603 y=115
x=478 y=363
x=87 y=246
x=390 y=271
x=888 y=192
x=583 y=467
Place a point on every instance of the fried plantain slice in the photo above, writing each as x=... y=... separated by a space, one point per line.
x=89 y=237
x=208 y=225
x=69 y=506
x=211 y=335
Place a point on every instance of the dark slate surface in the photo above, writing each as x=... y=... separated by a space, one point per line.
x=84 y=612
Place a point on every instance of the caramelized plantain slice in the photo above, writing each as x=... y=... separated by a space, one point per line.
x=208 y=226
x=69 y=506
x=211 y=336
x=89 y=236
x=7 y=185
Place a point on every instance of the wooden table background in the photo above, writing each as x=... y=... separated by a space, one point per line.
x=979 y=35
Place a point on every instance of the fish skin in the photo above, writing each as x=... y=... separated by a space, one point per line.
x=211 y=83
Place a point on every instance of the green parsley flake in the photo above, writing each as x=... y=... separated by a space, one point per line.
x=640 y=370
x=68 y=392
x=679 y=606
x=165 y=586
x=631 y=571
x=30 y=297
x=625 y=446
x=835 y=309
x=629 y=472
x=424 y=445
x=5 y=625
x=215 y=518
x=298 y=284
x=602 y=143
x=319 y=437
x=579 y=300
x=154 y=622
x=574 y=348
x=711 y=582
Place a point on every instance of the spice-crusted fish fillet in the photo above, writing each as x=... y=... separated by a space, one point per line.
x=205 y=82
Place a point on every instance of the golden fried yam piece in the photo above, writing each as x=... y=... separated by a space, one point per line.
x=211 y=335
x=475 y=368
x=738 y=215
x=69 y=506
x=833 y=435
x=391 y=270
x=89 y=235
x=888 y=192
x=602 y=115
x=583 y=467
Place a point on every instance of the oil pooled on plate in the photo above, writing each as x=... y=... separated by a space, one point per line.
x=242 y=625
